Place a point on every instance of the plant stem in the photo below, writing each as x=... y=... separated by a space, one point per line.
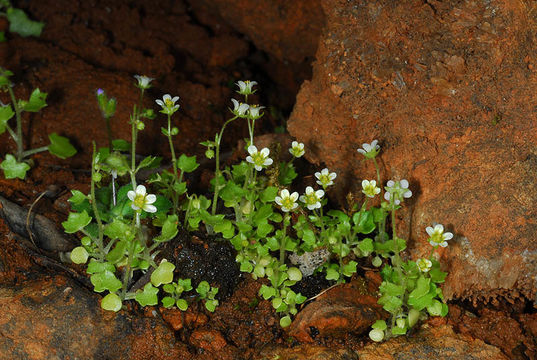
x=34 y=151
x=94 y=203
x=109 y=132
x=217 y=171
x=282 y=243
x=175 y=198
x=378 y=170
x=18 y=135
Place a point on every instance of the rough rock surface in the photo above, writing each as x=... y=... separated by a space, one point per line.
x=345 y=309
x=54 y=318
x=448 y=89
x=428 y=343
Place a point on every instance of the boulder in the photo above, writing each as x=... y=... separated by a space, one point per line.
x=448 y=90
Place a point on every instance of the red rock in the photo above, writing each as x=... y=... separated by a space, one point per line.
x=210 y=340
x=460 y=127
x=178 y=319
x=345 y=309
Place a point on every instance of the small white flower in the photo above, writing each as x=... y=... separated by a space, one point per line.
x=245 y=87
x=424 y=265
x=260 y=159
x=297 y=149
x=398 y=190
x=168 y=104
x=325 y=177
x=141 y=200
x=253 y=112
x=437 y=236
x=370 y=150
x=287 y=201
x=239 y=109
x=370 y=188
x=144 y=82
x=311 y=198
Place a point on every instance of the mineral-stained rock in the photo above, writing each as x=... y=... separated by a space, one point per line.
x=54 y=318
x=449 y=89
x=432 y=343
x=308 y=352
x=343 y=310
x=289 y=30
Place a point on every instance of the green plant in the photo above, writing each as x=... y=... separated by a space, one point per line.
x=16 y=166
x=280 y=236
x=19 y=22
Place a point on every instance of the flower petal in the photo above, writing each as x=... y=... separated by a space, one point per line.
x=265 y=152
x=150 y=198
x=447 y=236
x=159 y=102
x=141 y=190
x=439 y=228
x=294 y=196
x=268 y=161
x=284 y=193
x=131 y=195
x=361 y=151
x=429 y=230
x=390 y=183
x=166 y=97
x=252 y=150
x=149 y=208
x=404 y=183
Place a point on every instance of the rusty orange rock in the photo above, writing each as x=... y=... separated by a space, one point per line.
x=446 y=90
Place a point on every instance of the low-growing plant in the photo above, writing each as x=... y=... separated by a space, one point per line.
x=16 y=166
x=19 y=22
x=280 y=236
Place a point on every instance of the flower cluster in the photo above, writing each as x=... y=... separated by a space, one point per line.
x=297 y=149
x=141 y=200
x=370 y=188
x=370 y=151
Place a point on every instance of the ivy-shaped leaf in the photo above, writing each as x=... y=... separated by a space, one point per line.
x=105 y=280
x=76 y=222
x=163 y=274
x=169 y=229
x=36 y=101
x=187 y=163
x=60 y=146
x=148 y=296
x=13 y=169
x=6 y=113
x=20 y=23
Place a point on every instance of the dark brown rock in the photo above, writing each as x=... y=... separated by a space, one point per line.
x=448 y=89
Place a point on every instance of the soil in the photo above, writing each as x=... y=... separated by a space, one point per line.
x=195 y=54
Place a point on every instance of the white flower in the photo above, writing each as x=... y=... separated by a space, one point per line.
x=239 y=109
x=325 y=177
x=141 y=200
x=311 y=198
x=437 y=236
x=370 y=188
x=287 y=201
x=297 y=149
x=168 y=104
x=398 y=190
x=144 y=82
x=260 y=159
x=424 y=265
x=370 y=150
x=245 y=87
x=253 y=112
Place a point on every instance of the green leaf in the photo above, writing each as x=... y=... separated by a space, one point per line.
x=163 y=274
x=211 y=305
x=390 y=303
x=364 y=221
x=380 y=324
x=60 y=146
x=332 y=274
x=168 y=302
x=6 y=113
x=79 y=255
x=121 y=145
x=232 y=193
x=187 y=163
x=388 y=288
x=169 y=229
x=239 y=171
x=182 y=304
x=78 y=197
x=267 y=292
x=117 y=229
x=76 y=222
x=269 y=194
x=149 y=162
x=179 y=188
x=13 y=169
x=287 y=174
x=95 y=267
x=285 y=321
x=263 y=229
x=437 y=275
x=366 y=246
x=148 y=296
x=20 y=23
x=111 y=302
x=350 y=268
x=422 y=288
x=118 y=252
x=203 y=288
x=396 y=330
x=36 y=101
x=105 y=280
x=4 y=77
x=262 y=213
